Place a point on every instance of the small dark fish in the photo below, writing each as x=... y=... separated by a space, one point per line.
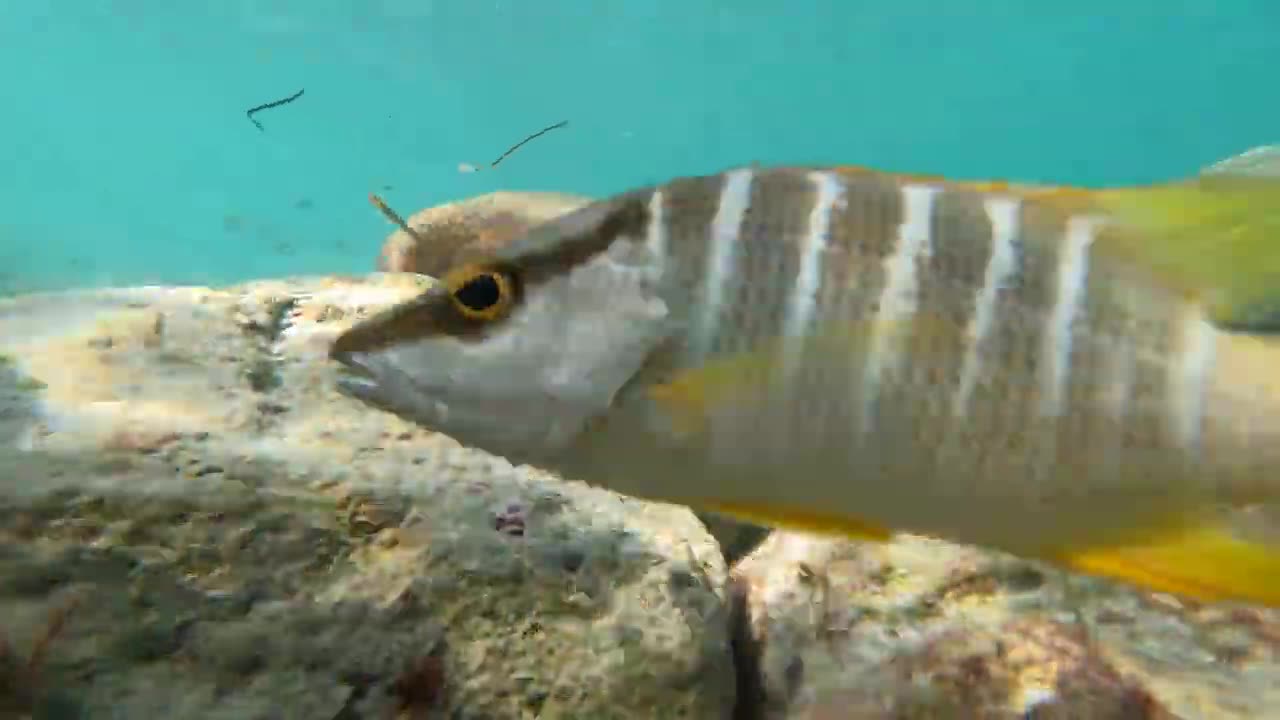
x=268 y=106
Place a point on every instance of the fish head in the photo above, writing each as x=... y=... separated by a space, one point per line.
x=518 y=352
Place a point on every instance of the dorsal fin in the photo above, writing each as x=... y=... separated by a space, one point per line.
x=1262 y=161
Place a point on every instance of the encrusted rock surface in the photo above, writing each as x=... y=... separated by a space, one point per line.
x=219 y=534
x=918 y=628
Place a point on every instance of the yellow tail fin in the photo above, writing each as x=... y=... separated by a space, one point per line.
x=1208 y=563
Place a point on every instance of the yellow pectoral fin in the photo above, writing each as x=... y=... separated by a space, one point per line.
x=1207 y=563
x=801 y=520
x=744 y=380
x=736 y=379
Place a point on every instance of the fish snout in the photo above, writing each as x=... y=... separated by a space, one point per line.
x=356 y=374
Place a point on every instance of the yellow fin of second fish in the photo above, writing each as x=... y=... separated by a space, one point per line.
x=1205 y=563
x=799 y=520
x=1215 y=236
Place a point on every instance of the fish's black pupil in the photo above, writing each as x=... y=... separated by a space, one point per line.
x=479 y=293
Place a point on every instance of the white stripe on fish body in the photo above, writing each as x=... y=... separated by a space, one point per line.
x=830 y=191
x=656 y=239
x=1189 y=377
x=898 y=301
x=1072 y=286
x=726 y=228
x=1002 y=267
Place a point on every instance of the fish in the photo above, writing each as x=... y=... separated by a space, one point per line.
x=1085 y=377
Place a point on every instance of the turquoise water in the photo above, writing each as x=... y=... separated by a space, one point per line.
x=126 y=156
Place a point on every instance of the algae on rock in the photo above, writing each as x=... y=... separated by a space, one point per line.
x=250 y=539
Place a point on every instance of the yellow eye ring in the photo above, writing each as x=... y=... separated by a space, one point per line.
x=480 y=293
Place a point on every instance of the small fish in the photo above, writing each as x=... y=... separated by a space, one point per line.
x=1087 y=377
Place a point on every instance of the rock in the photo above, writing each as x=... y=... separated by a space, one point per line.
x=195 y=524
x=450 y=233
x=919 y=628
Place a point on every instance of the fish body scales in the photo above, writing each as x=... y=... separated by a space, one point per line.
x=966 y=341
x=1085 y=377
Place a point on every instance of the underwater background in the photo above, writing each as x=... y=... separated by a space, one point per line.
x=196 y=522
x=126 y=156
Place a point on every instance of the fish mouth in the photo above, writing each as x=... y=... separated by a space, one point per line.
x=351 y=362
x=355 y=376
x=377 y=381
x=370 y=379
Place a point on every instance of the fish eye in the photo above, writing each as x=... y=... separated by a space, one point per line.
x=481 y=293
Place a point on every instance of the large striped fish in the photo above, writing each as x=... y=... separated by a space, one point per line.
x=1080 y=376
